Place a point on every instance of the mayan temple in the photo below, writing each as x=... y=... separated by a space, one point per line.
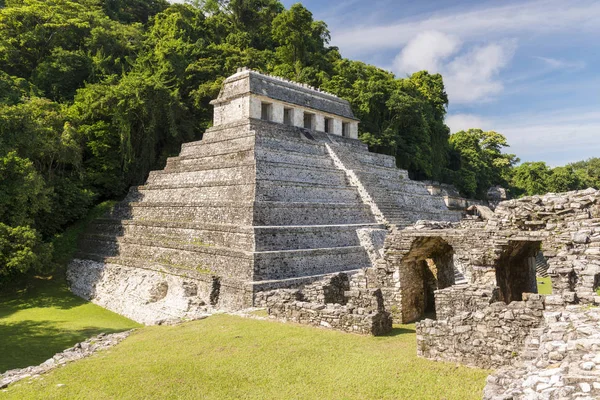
x=279 y=193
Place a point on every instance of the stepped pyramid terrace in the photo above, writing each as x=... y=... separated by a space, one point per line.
x=279 y=193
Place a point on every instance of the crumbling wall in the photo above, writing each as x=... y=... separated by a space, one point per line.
x=464 y=298
x=486 y=338
x=568 y=224
x=359 y=310
x=561 y=360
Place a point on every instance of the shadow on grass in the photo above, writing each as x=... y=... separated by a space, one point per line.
x=26 y=343
x=43 y=294
x=397 y=330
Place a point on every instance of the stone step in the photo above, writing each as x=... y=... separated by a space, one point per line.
x=235 y=237
x=286 y=144
x=266 y=285
x=293 y=173
x=230 y=158
x=241 y=173
x=269 y=238
x=375 y=159
x=271 y=265
x=178 y=193
x=285 y=213
x=246 y=156
x=247 y=213
x=226 y=262
x=246 y=238
x=246 y=173
x=217 y=212
x=383 y=172
x=267 y=190
x=293 y=157
x=206 y=259
x=206 y=148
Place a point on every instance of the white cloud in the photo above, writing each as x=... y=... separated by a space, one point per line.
x=487 y=22
x=462 y=122
x=473 y=76
x=469 y=76
x=426 y=51
x=555 y=63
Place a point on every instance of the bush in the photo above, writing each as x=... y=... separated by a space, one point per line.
x=22 y=251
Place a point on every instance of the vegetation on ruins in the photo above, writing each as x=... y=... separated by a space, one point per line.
x=96 y=93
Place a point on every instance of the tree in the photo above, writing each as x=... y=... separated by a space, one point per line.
x=128 y=11
x=588 y=172
x=563 y=179
x=22 y=191
x=301 y=50
x=21 y=250
x=530 y=178
x=479 y=161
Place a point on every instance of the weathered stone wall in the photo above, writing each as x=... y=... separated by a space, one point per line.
x=486 y=338
x=561 y=360
x=463 y=298
x=144 y=295
x=569 y=227
x=328 y=303
x=357 y=316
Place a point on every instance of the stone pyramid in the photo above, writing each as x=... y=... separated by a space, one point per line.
x=279 y=193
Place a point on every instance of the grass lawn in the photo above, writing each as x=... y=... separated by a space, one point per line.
x=544 y=285
x=228 y=357
x=46 y=319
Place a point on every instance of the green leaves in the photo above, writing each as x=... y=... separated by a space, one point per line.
x=22 y=191
x=21 y=250
x=480 y=162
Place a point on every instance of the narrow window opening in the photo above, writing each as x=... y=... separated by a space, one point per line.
x=309 y=121
x=287 y=116
x=345 y=129
x=328 y=125
x=266 y=111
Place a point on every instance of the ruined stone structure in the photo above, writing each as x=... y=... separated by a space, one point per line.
x=278 y=194
x=281 y=206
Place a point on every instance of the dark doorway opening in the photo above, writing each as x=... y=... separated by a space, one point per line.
x=516 y=270
x=426 y=268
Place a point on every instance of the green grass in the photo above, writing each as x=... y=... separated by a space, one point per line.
x=544 y=285
x=228 y=357
x=46 y=319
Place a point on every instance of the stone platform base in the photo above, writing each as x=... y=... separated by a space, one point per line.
x=146 y=296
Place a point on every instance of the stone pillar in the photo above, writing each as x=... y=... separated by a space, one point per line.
x=298 y=117
x=255 y=107
x=353 y=130
x=277 y=113
x=337 y=127
x=319 y=123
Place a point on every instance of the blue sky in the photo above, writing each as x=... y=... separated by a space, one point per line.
x=527 y=69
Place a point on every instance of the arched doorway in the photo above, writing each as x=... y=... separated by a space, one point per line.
x=427 y=267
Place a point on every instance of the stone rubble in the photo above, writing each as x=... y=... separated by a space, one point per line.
x=81 y=350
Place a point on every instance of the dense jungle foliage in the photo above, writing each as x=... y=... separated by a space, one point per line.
x=96 y=93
